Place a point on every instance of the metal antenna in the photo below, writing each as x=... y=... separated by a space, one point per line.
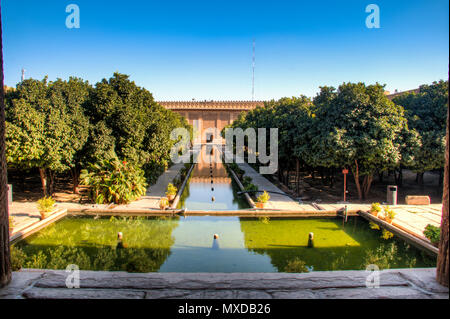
x=253 y=71
x=23 y=74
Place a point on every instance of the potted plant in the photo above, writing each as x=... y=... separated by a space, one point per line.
x=11 y=224
x=163 y=203
x=240 y=173
x=45 y=206
x=171 y=192
x=433 y=233
x=262 y=200
x=375 y=209
x=389 y=215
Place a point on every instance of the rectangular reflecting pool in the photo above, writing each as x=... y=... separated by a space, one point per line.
x=178 y=244
x=209 y=186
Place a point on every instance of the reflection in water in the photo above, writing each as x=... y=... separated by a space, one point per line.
x=210 y=187
x=336 y=247
x=97 y=244
x=246 y=245
x=215 y=244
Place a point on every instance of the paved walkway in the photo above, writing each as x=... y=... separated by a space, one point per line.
x=26 y=213
x=277 y=201
x=156 y=191
x=414 y=219
x=395 y=283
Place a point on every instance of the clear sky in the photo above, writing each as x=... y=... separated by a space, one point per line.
x=180 y=50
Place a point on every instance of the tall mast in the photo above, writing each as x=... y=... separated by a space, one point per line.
x=253 y=71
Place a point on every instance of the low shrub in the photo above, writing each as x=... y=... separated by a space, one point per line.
x=389 y=213
x=296 y=266
x=385 y=234
x=163 y=203
x=114 y=181
x=375 y=208
x=18 y=258
x=264 y=197
x=11 y=222
x=433 y=233
x=372 y=225
x=45 y=204
x=171 y=190
x=250 y=187
x=247 y=180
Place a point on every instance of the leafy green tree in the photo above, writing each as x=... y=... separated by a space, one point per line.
x=357 y=127
x=37 y=131
x=71 y=96
x=139 y=126
x=426 y=114
x=292 y=117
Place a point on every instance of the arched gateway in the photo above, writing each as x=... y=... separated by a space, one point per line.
x=205 y=116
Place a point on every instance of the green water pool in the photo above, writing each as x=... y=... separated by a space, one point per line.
x=169 y=244
x=210 y=187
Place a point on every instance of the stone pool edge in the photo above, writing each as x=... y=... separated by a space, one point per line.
x=418 y=283
x=30 y=229
x=181 y=190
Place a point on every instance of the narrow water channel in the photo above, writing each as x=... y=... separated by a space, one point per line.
x=210 y=187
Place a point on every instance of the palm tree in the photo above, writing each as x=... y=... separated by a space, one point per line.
x=5 y=260
x=442 y=264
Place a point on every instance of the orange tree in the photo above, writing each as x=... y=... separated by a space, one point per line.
x=357 y=127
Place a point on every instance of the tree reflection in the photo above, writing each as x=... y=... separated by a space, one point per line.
x=91 y=244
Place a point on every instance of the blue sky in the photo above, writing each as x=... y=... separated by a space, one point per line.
x=181 y=50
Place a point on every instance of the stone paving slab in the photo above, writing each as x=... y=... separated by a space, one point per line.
x=414 y=219
x=395 y=283
x=277 y=201
x=41 y=293
x=24 y=213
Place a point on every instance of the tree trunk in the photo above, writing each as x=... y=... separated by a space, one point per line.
x=355 y=172
x=297 y=176
x=43 y=176
x=51 y=182
x=442 y=263
x=367 y=182
x=5 y=256
x=419 y=178
x=380 y=177
x=398 y=176
x=75 y=178
x=332 y=177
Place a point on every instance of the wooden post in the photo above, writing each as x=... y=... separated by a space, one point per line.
x=442 y=263
x=297 y=177
x=345 y=172
x=5 y=259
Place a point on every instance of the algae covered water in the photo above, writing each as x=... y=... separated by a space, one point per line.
x=209 y=186
x=187 y=245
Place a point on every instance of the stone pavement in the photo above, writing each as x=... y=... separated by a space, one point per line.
x=26 y=213
x=414 y=218
x=156 y=191
x=395 y=283
x=277 y=201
